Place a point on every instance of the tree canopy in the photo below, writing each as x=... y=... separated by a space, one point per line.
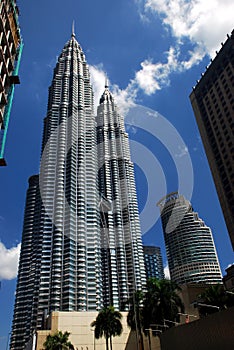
x=108 y=324
x=161 y=302
x=151 y=308
x=58 y=341
x=215 y=295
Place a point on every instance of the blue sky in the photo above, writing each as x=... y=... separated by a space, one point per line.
x=153 y=51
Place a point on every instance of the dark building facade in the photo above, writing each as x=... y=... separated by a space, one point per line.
x=153 y=262
x=228 y=279
x=212 y=100
x=10 y=54
x=213 y=332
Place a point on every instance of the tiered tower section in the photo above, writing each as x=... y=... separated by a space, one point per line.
x=81 y=246
x=60 y=263
x=122 y=252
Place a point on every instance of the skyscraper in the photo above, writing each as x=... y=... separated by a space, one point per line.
x=10 y=53
x=153 y=262
x=213 y=104
x=81 y=245
x=122 y=254
x=189 y=243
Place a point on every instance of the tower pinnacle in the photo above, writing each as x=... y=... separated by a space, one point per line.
x=106 y=82
x=73 y=28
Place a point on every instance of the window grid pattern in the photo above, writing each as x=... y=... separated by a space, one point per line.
x=189 y=243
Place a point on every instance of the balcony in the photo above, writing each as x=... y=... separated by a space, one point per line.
x=14 y=79
x=1 y=118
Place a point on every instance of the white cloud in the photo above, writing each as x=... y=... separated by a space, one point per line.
x=204 y=23
x=195 y=57
x=9 y=259
x=150 y=78
x=97 y=77
x=167 y=272
x=124 y=98
x=150 y=75
x=153 y=76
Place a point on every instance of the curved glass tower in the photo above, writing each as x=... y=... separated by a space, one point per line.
x=81 y=244
x=189 y=243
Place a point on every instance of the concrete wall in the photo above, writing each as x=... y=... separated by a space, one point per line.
x=214 y=332
x=189 y=293
x=82 y=336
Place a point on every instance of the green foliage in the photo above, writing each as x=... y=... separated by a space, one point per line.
x=108 y=324
x=135 y=310
x=215 y=295
x=161 y=302
x=58 y=341
x=135 y=315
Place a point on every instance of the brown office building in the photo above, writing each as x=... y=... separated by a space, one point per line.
x=213 y=104
x=10 y=53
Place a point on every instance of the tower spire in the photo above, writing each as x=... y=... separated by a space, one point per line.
x=106 y=82
x=73 y=28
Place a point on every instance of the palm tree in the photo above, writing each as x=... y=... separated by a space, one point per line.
x=215 y=295
x=135 y=316
x=161 y=302
x=58 y=341
x=107 y=324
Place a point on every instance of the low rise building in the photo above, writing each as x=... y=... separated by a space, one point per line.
x=228 y=279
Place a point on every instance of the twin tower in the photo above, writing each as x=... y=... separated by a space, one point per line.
x=81 y=245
